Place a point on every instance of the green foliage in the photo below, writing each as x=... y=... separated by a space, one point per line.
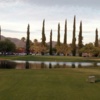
x=43 y=45
x=65 y=33
x=58 y=40
x=58 y=47
x=50 y=51
x=28 y=41
x=96 y=51
x=90 y=49
x=43 y=34
x=96 y=38
x=0 y=32
x=80 y=44
x=74 y=38
x=7 y=46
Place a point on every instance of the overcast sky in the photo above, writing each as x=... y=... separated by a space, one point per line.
x=16 y=14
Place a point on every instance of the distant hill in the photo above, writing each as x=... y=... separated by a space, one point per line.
x=18 y=42
x=53 y=43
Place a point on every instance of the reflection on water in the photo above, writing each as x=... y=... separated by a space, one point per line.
x=43 y=65
x=7 y=65
x=27 y=66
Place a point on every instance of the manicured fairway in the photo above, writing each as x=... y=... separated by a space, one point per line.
x=52 y=58
x=49 y=84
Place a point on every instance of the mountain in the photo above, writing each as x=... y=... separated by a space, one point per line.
x=53 y=43
x=18 y=42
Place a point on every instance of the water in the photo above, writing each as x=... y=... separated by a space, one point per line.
x=48 y=65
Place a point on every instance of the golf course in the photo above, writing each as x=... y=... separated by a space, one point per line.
x=49 y=84
x=52 y=58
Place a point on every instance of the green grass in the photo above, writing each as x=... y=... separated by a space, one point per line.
x=52 y=58
x=49 y=84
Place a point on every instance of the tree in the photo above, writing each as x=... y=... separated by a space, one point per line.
x=96 y=42
x=65 y=33
x=96 y=51
x=43 y=44
x=35 y=41
x=35 y=47
x=0 y=32
x=20 y=50
x=74 y=38
x=50 y=51
x=43 y=34
x=99 y=42
x=58 y=41
x=90 y=50
x=23 y=39
x=6 y=46
x=28 y=40
x=65 y=49
x=80 y=44
x=58 y=49
x=96 y=38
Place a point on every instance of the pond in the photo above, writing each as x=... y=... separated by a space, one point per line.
x=48 y=65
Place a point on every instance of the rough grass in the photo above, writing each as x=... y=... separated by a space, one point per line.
x=49 y=84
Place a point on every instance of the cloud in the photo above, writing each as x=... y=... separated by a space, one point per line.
x=82 y=3
x=12 y=31
x=9 y=1
x=16 y=14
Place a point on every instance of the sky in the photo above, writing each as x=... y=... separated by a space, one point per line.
x=15 y=15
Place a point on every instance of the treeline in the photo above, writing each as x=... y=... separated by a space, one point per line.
x=73 y=49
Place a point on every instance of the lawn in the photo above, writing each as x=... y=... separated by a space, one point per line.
x=49 y=84
x=52 y=58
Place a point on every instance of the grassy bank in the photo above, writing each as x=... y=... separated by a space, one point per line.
x=51 y=58
x=54 y=84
